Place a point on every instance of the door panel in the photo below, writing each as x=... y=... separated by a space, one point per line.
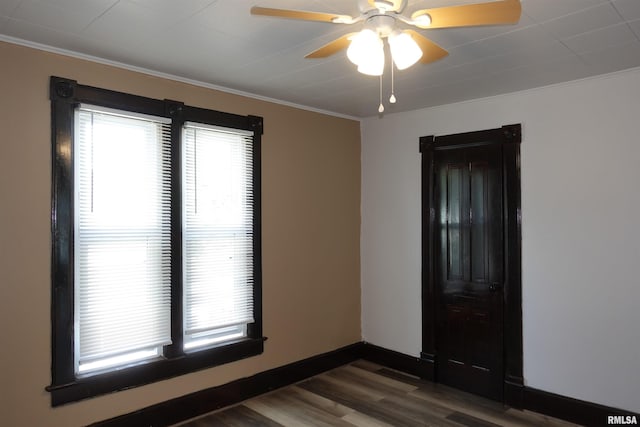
x=455 y=338
x=479 y=177
x=469 y=269
x=454 y=209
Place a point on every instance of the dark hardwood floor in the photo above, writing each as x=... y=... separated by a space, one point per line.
x=368 y=395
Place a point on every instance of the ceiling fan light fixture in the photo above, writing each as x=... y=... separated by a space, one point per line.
x=363 y=45
x=373 y=63
x=404 y=50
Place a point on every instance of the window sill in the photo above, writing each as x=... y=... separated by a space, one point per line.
x=147 y=373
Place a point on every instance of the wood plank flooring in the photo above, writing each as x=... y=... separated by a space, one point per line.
x=368 y=395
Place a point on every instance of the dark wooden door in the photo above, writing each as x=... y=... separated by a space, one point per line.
x=469 y=267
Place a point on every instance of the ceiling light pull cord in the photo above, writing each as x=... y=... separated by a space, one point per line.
x=381 y=107
x=392 y=98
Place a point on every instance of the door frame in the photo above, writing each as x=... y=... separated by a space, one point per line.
x=509 y=136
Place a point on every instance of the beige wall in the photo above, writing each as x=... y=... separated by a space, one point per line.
x=311 y=227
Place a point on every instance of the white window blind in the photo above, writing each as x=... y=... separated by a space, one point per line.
x=217 y=233
x=122 y=238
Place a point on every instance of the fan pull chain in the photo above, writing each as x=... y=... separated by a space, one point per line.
x=392 y=98
x=381 y=107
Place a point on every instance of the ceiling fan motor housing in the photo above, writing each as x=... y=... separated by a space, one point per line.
x=381 y=24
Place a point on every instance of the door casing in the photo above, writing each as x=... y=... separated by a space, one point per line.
x=509 y=136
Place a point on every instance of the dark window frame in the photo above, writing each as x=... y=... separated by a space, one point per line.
x=66 y=387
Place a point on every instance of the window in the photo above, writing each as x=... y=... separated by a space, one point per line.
x=122 y=238
x=156 y=264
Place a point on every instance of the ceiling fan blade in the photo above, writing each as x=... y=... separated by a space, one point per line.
x=491 y=13
x=332 y=47
x=296 y=14
x=431 y=52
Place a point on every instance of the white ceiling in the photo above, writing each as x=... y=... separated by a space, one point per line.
x=218 y=42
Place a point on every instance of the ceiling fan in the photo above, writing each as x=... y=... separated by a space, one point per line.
x=383 y=19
